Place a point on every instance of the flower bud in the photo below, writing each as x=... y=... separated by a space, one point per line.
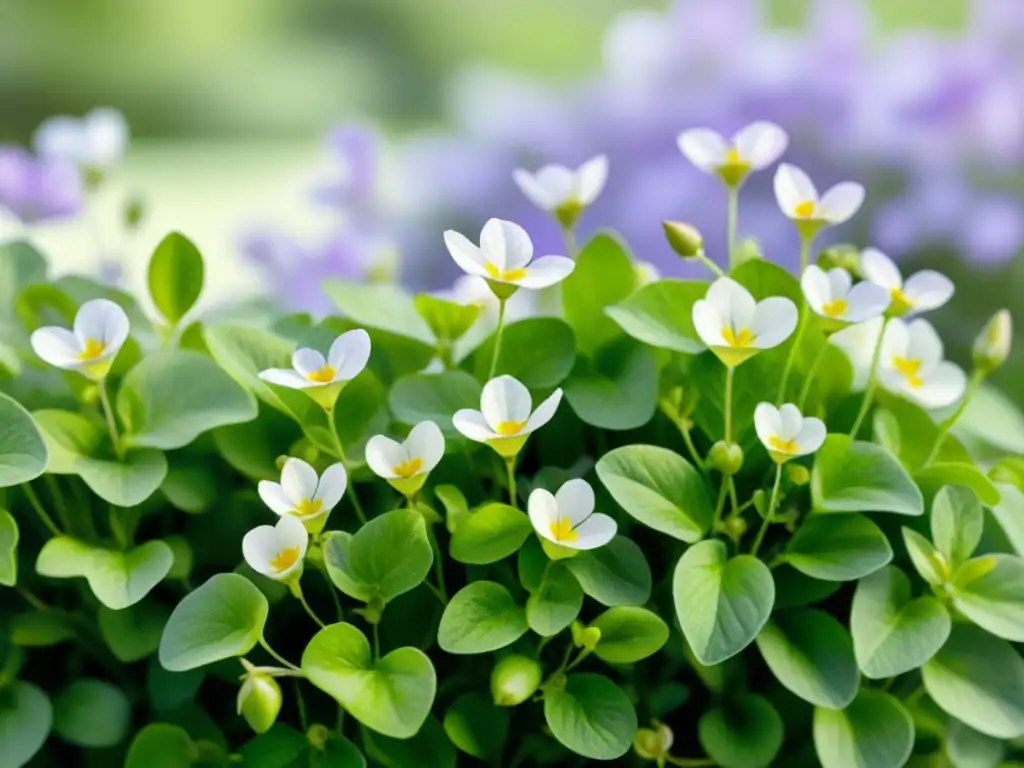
x=798 y=474
x=841 y=255
x=748 y=249
x=992 y=346
x=514 y=679
x=735 y=527
x=685 y=239
x=727 y=458
x=654 y=743
x=259 y=701
x=134 y=212
x=317 y=736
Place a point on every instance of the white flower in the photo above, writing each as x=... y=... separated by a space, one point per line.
x=911 y=364
x=562 y=191
x=311 y=370
x=858 y=343
x=786 y=433
x=504 y=258
x=96 y=141
x=752 y=149
x=567 y=518
x=798 y=199
x=920 y=292
x=406 y=465
x=304 y=494
x=735 y=327
x=833 y=296
x=277 y=551
x=100 y=330
x=506 y=416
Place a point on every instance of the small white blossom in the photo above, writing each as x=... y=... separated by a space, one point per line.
x=798 y=198
x=277 y=551
x=506 y=416
x=311 y=370
x=304 y=494
x=564 y=192
x=100 y=330
x=406 y=465
x=920 y=292
x=858 y=343
x=567 y=517
x=735 y=327
x=786 y=433
x=911 y=364
x=752 y=149
x=833 y=295
x=96 y=141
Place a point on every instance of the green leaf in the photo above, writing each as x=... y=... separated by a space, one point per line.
x=391 y=553
x=661 y=314
x=336 y=546
x=853 y=476
x=912 y=432
x=838 y=548
x=967 y=748
x=434 y=397
x=448 y=320
x=490 y=534
x=169 y=690
x=26 y=717
x=476 y=726
x=8 y=549
x=339 y=753
x=944 y=473
x=384 y=307
x=481 y=617
x=990 y=592
x=172 y=397
x=811 y=654
x=392 y=696
x=118 y=579
x=615 y=574
x=957 y=523
x=133 y=633
x=893 y=634
x=175 y=276
x=991 y=421
x=795 y=590
x=40 y=630
x=721 y=604
x=221 y=619
x=22 y=450
x=125 y=483
x=874 y=731
x=618 y=389
x=592 y=716
x=629 y=634
x=429 y=748
x=1009 y=513
x=741 y=732
x=20 y=265
x=277 y=747
x=161 y=745
x=91 y=713
x=927 y=560
x=538 y=351
x=557 y=602
x=659 y=488
x=604 y=275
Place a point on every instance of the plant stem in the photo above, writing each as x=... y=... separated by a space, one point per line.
x=58 y=500
x=805 y=253
x=569 y=233
x=513 y=496
x=348 y=467
x=116 y=528
x=334 y=595
x=869 y=392
x=376 y=642
x=723 y=492
x=277 y=656
x=442 y=591
x=732 y=223
x=35 y=601
x=714 y=268
x=684 y=430
x=303 y=719
x=297 y=591
x=976 y=379
x=108 y=413
x=770 y=516
x=791 y=359
x=37 y=505
x=729 y=374
x=690 y=762
x=809 y=380
x=497 y=338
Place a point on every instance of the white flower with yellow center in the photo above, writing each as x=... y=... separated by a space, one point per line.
x=911 y=364
x=752 y=149
x=798 y=198
x=406 y=465
x=277 y=551
x=305 y=495
x=833 y=296
x=100 y=330
x=786 y=433
x=567 y=518
x=506 y=417
x=505 y=259
x=564 y=192
x=858 y=342
x=920 y=292
x=322 y=378
x=735 y=327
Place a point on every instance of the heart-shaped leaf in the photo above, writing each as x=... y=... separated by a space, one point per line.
x=851 y=476
x=556 y=602
x=133 y=633
x=481 y=617
x=538 y=351
x=22 y=450
x=741 y=732
x=448 y=320
x=91 y=713
x=8 y=549
x=964 y=473
x=476 y=725
x=874 y=731
x=336 y=546
x=384 y=307
x=429 y=748
x=592 y=716
x=25 y=721
x=838 y=547
x=490 y=534
x=434 y=397
x=989 y=591
x=660 y=314
x=391 y=553
x=615 y=574
x=629 y=634
x=163 y=745
x=617 y=389
x=604 y=275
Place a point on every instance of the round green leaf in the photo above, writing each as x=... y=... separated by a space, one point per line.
x=277 y=747
x=957 y=523
x=20 y=265
x=91 y=713
x=429 y=748
x=721 y=604
x=795 y=590
x=434 y=397
x=490 y=534
x=994 y=598
x=8 y=549
x=874 y=731
x=556 y=602
x=964 y=473
x=392 y=696
x=617 y=389
x=391 y=553
x=811 y=654
x=221 y=619
x=161 y=745
x=893 y=634
x=40 y=630
x=22 y=450
x=659 y=488
x=592 y=716
x=481 y=617
x=175 y=276
x=538 y=351
x=133 y=633
x=1009 y=514
x=629 y=634
x=741 y=732
x=336 y=546
x=448 y=320
x=967 y=748
x=604 y=275
x=660 y=314
x=853 y=476
x=615 y=574
x=26 y=717
x=384 y=307
x=476 y=725
x=838 y=548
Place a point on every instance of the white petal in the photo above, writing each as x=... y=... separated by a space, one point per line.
x=331 y=488
x=865 y=301
x=292 y=533
x=773 y=322
x=259 y=546
x=61 y=137
x=767 y=422
x=596 y=531
x=575 y=500
x=106 y=133
x=944 y=386
x=841 y=202
x=790 y=420
x=298 y=480
x=102 y=320
x=839 y=282
x=349 y=354
x=505 y=399
x=473 y=425
x=466 y=255
x=307 y=361
x=547 y=271
x=534 y=191
x=273 y=496
x=286 y=377
x=880 y=269
x=505 y=244
x=925 y=343
x=792 y=187
x=544 y=413
x=383 y=454
x=704 y=148
x=816 y=287
x=426 y=443
x=761 y=144
x=895 y=342
x=858 y=343
x=543 y=511
x=811 y=436
x=559 y=181
x=708 y=320
x=895 y=382
x=57 y=346
x=591 y=178
x=733 y=302
x=928 y=290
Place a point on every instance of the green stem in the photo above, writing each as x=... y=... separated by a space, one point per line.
x=869 y=392
x=805 y=253
x=376 y=642
x=584 y=652
x=37 y=505
x=729 y=374
x=116 y=528
x=770 y=516
x=732 y=223
x=911 y=698
x=303 y=718
x=297 y=591
x=35 y=601
x=497 y=338
x=976 y=379
x=58 y=500
x=334 y=595
x=108 y=413
x=348 y=467
x=791 y=359
x=442 y=591
x=809 y=380
x=723 y=493
x=690 y=762
x=513 y=496
x=569 y=233
x=714 y=268
x=684 y=430
x=277 y=656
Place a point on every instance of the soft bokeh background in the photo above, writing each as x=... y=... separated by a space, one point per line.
x=231 y=104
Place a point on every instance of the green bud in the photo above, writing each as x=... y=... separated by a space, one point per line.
x=587 y=638
x=134 y=212
x=568 y=213
x=761 y=502
x=748 y=249
x=842 y=255
x=514 y=679
x=317 y=736
x=992 y=346
x=798 y=474
x=259 y=701
x=685 y=239
x=374 y=610
x=654 y=743
x=735 y=527
x=727 y=458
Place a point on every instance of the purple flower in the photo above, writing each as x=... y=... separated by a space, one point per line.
x=37 y=190
x=354 y=150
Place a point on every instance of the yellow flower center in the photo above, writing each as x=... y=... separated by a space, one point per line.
x=740 y=338
x=783 y=446
x=900 y=303
x=284 y=559
x=835 y=308
x=408 y=468
x=308 y=507
x=512 y=275
x=732 y=157
x=562 y=530
x=324 y=376
x=92 y=350
x=804 y=210
x=909 y=367
x=509 y=428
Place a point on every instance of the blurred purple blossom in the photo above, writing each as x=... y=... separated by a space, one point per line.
x=35 y=190
x=355 y=151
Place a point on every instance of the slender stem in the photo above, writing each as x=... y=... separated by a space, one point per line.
x=690 y=762
x=37 y=505
x=376 y=642
x=277 y=656
x=35 y=601
x=869 y=392
x=714 y=268
x=976 y=379
x=809 y=380
x=770 y=516
x=569 y=233
x=684 y=430
x=334 y=595
x=58 y=500
x=108 y=412
x=791 y=359
x=116 y=528
x=734 y=497
x=297 y=591
x=729 y=374
x=911 y=698
x=497 y=338
x=442 y=591
x=723 y=493
x=303 y=719
x=738 y=509
x=513 y=496
x=805 y=252
x=584 y=652
x=437 y=592
x=732 y=223
x=345 y=463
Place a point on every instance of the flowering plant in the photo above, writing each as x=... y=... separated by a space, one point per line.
x=758 y=520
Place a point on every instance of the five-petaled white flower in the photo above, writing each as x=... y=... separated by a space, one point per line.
x=911 y=364
x=96 y=141
x=322 y=378
x=920 y=292
x=100 y=330
x=752 y=149
x=506 y=416
x=277 y=551
x=833 y=296
x=504 y=259
x=735 y=327
x=787 y=433
x=858 y=342
x=798 y=199
x=406 y=465
x=304 y=494
x=564 y=192
x=567 y=517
